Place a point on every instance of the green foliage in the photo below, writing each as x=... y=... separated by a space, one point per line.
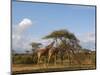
x=22 y=59
x=63 y=35
x=58 y=34
x=35 y=45
x=32 y=59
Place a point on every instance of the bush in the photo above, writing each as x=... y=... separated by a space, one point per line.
x=22 y=59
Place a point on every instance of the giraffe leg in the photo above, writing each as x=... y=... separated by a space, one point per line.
x=55 y=59
x=49 y=57
x=38 y=58
x=38 y=63
x=61 y=58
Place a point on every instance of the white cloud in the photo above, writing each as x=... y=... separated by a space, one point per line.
x=18 y=40
x=88 y=37
x=24 y=24
x=87 y=40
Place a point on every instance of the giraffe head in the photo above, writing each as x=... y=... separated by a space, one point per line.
x=50 y=45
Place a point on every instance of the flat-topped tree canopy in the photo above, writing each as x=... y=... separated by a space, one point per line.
x=57 y=34
x=62 y=34
x=35 y=44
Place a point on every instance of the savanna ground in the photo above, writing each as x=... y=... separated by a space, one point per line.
x=23 y=63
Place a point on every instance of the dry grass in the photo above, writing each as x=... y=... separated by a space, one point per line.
x=87 y=63
x=49 y=68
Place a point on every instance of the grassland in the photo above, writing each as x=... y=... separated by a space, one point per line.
x=23 y=64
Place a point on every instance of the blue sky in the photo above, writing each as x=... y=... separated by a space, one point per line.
x=46 y=18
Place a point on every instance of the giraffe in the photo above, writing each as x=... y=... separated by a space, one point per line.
x=53 y=51
x=71 y=51
x=43 y=51
x=68 y=49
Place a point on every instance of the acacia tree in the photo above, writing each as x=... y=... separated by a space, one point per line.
x=64 y=36
x=35 y=45
x=27 y=51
